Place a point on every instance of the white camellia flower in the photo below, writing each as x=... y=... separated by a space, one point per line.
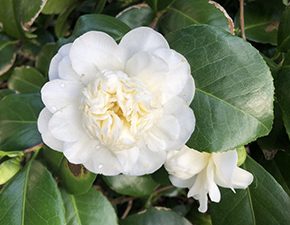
x=202 y=172
x=117 y=108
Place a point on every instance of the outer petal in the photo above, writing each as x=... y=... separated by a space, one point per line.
x=178 y=80
x=58 y=94
x=213 y=190
x=95 y=51
x=180 y=110
x=181 y=182
x=127 y=159
x=225 y=163
x=93 y=156
x=53 y=67
x=199 y=190
x=147 y=162
x=142 y=39
x=66 y=125
x=47 y=137
x=241 y=178
x=65 y=70
x=185 y=163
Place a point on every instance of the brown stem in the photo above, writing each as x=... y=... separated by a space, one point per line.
x=156 y=19
x=33 y=149
x=129 y=207
x=242 y=19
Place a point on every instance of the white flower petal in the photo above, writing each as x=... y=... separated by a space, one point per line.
x=65 y=70
x=188 y=91
x=95 y=51
x=58 y=93
x=94 y=157
x=186 y=119
x=185 y=163
x=213 y=190
x=127 y=158
x=225 y=162
x=181 y=183
x=178 y=80
x=142 y=39
x=241 y=178
x=66 y=125
x=53 y=67
x=147 y=162
x=47 y=137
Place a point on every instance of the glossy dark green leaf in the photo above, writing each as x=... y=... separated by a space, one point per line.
x=131 y=185
x=110 y=25
x=18 y=121
x=233 y=103
x=51 y=158
x=26 y=80
x=277 y=139
x=31 y=198
x=284 y=31
x=184 y=13
x=91 y=208
x=45 y=56
x=279 y=167
x=283 y=94
x=5 y=92
x=17 y=16
x=137 y=15
x=75 y=178
x=62 y=23
x=7 y=55
x=56 y=6
x=264 y=202
x=262 y=20
x=158 y=5
x=154 y=216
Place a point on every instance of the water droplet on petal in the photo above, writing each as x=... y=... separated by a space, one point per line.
x=62 y=85
x=100 y=166
x=53 y=108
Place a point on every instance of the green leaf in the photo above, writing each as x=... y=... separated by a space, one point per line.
x=283 y=95
x=154 y=216
x=26 y=79
x=130 y=185
x=8 y=169
x=264 y=202
x=51 y=158
x=284 y=31
x=136 y=16
x=110 y=25
x=158 y=5
x=262 y=20
x=18 y=121
x=57 y=6
x=184 y=13
x=7 y=55
x=31 y=198
x=17 y=16
x=91 y=208
x=279 y=167
x=45 y=56
x=75 y=178
x=233 y=103
x=62 y=24
x=277 y=139
x=5 y=92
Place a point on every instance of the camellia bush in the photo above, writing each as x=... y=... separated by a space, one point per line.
x=157 y=112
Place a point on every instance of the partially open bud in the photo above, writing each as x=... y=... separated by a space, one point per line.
x=242 y=155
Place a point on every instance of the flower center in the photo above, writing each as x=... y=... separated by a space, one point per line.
x=116 y=109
